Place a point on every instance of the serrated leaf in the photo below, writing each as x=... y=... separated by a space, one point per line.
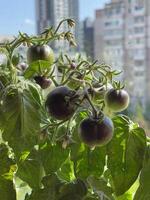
x=53 y=157
x=21 y=111
x=125 y=153
x=86 y=161
x=143 y=192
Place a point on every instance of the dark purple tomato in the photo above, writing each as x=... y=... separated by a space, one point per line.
x=94 y=132
x=117 y=100
x=60 y=103
x=42 y=81
x=40 y=52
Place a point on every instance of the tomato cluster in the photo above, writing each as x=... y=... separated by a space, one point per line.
x=63 y=101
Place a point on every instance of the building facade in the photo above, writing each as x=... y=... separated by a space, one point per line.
x=51 y=12
x=122 y=39
x=88 y=37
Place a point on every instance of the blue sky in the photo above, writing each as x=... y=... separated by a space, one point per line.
x=20 y=14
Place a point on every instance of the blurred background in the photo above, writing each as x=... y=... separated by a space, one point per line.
x=115 y=32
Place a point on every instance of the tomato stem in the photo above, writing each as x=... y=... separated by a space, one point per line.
x=90 y=102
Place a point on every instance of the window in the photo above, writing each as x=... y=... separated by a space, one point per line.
x=139 y=29
x=112 y=23
x=129 y=10
x=116 y=32
x=139 y=40
x=109 y=12
x=108 y=23
x=139 y=19
x=139 y=63
x=139 y=73
x=138 y=7
x=139 y=52
x=118 y=10
x=113 y=42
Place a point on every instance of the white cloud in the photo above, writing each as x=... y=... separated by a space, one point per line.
x=29 y=22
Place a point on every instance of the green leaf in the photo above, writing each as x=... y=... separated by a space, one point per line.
x=66 y=172
x=100 y=186
x=54 y=189
x=86 y=161
x=126 y=196
x=130 y=193
x=21 y=111
x=31 y=172
x=53 y=157
x=36 y=67
x=7 y=190
x=50 y=191
x=143 y=192
x=74 y=189
x=125 y=153
x=5 y=161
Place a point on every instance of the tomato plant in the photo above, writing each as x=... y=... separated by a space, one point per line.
x=60 y=143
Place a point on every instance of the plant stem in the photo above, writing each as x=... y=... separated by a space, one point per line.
x=59 y=25
x=90 y=102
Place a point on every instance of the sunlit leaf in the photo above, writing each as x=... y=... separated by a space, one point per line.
x=143 y=192
x=53 y=157
x=125 y=153
x=21 y=111
x=88 y=162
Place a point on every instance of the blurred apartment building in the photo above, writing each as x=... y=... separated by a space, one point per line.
x=122 y=39
x=88 y=37
x=51 y=12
